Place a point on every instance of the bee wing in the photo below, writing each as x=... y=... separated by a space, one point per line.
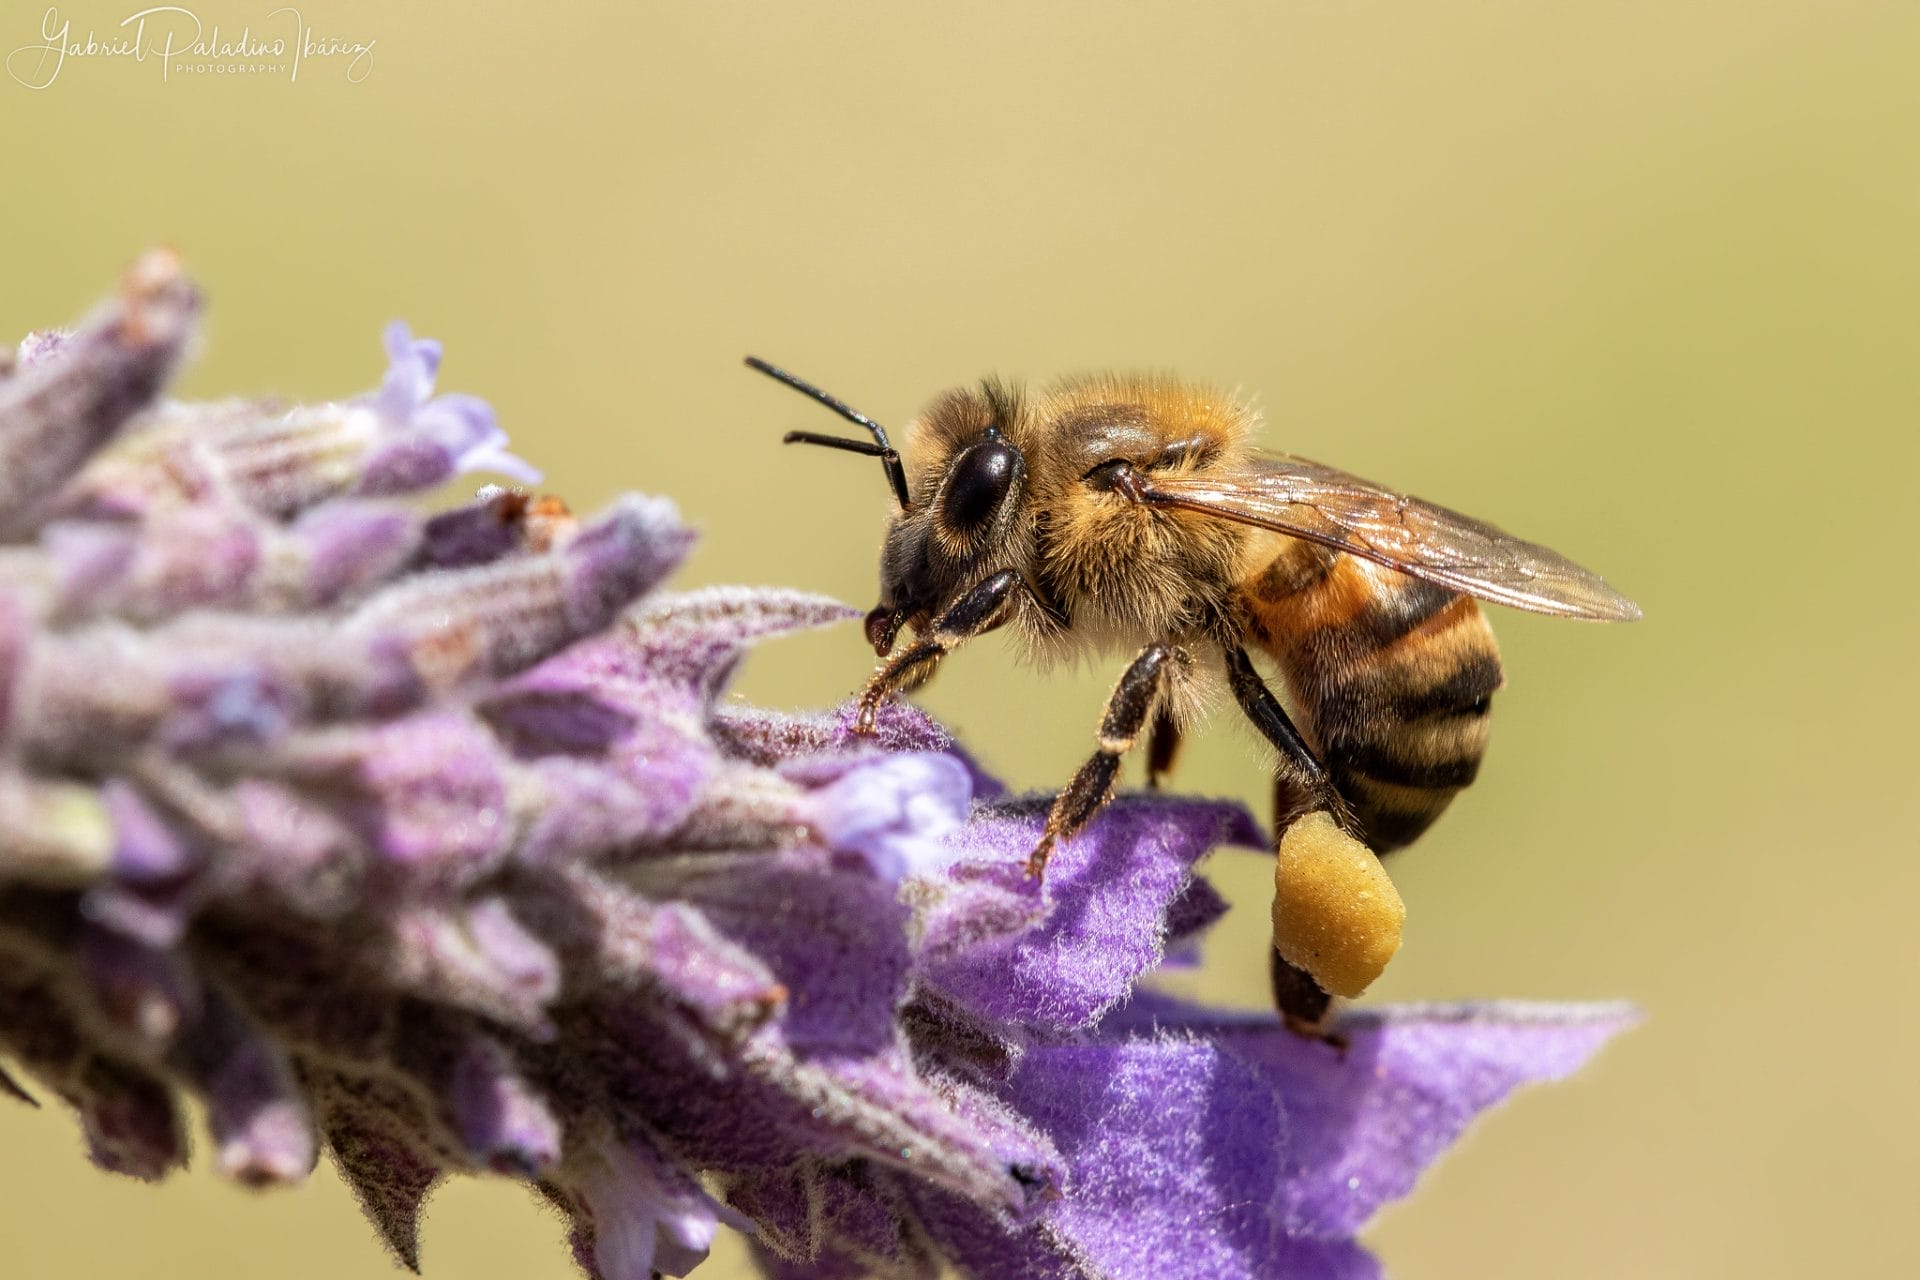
x=1308 y=500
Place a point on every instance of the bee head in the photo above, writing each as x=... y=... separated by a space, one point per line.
x=933 y=548
x=970 y=479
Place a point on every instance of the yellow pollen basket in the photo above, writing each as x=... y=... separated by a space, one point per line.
x=1336 y=913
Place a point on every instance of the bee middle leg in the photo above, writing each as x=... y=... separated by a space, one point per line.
x=981 y=609
x=1132 y=699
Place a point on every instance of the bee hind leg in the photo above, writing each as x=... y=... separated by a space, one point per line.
x=1163 y=748
x=1306 y=778
x=981 y=609
x=1300 y=786
x=1304 y=1005
x=1133 y=698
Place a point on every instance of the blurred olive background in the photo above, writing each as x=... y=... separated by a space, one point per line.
x=1637 y=280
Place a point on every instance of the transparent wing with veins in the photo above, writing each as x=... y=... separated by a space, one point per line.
x=1305 y=499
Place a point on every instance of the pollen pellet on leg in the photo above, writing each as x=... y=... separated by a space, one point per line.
x=1336 y=913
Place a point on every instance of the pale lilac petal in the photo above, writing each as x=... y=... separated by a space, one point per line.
x=645 y=1214
x=430 y=438
x=412 y=366
x=39 y=346
x=896 y=812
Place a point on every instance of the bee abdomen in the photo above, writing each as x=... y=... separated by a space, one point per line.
x=1394 y=678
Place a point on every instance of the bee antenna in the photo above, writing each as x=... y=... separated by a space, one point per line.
x=881 y=448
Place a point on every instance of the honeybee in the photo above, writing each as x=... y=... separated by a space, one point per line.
x=1135 y=513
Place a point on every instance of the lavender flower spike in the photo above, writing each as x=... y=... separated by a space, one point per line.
x=425 y=844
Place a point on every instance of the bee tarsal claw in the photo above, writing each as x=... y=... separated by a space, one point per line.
x=1037 y=860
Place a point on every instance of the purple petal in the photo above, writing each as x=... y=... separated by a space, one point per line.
x=262 y=1131
x=1365 y=1124
x=149 y=847
x=996 y=947
x=503 y=1120
x=1189 y=916
x=130 y=1121
x=1161 y=1136
x=148 y=992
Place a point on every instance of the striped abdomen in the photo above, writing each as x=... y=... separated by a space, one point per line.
x=1391 y=677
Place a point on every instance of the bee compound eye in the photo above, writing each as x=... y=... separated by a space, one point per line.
x=977 y=484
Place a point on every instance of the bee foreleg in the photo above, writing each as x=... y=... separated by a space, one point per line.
x=1298 y=764
x=1133 y=698
x=981 y=609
